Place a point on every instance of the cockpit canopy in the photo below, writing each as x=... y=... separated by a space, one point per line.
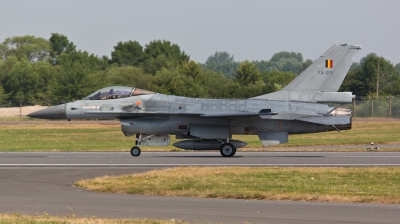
x=115 y=92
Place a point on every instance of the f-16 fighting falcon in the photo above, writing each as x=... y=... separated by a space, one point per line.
x=208 y=124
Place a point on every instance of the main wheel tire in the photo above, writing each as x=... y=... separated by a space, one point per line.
x=135 y=151
x=227 y=150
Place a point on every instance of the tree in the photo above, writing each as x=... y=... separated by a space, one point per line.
x=276 y=80
x=29 y=81
x=263 y=66
x=3 y=74
x=29 y=47
x=172 y=51
x=397 y=67
x=126 y=76
x=171 y=82
x=287 y=61
x=220 y=58
x=285 y=55
x=362 y=80
x=128 y=53
x=190 y=69
x=46 y=73
x=60 y=44
x=246 y=74
x=216 y=85
x=305 y=65
x=152 y=65
x=354 y=66
x=284 y=62
x=3 y=95
x=221 y=62
x=78 y=75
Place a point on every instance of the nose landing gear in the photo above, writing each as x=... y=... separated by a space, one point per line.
x=135 y=150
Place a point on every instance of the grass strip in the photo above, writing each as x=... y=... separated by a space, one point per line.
x=368 y=184
x=47 y=219
x=106 y=137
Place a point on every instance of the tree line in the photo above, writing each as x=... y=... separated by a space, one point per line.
x=40 y=71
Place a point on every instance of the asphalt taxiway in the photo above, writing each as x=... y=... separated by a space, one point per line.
x=33 y=183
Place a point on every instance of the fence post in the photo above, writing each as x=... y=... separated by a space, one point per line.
x=372 y=107
x=390 y=106
x=20 y=110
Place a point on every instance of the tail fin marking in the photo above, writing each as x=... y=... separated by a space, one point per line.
x=321 y=80
x=327 y=73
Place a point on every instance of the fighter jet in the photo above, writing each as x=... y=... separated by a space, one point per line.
x=208 y=124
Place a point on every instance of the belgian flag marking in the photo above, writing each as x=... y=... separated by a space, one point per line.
x=329 y=63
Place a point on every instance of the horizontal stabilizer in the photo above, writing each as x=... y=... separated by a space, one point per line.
x=334 y=120
x=309 y=96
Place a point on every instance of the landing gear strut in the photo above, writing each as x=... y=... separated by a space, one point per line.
x=135 y=150
x=227 y=150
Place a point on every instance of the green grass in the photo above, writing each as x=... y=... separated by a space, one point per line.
x=47 y=219
x=102 y=137
x=18 y=118
x=82 y=137
x=371 y=184
x=362 y=133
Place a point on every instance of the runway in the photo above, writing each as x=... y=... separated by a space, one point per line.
x=171 y=159
x=33 y=183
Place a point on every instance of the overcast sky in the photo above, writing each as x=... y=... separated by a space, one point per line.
x=252 y=30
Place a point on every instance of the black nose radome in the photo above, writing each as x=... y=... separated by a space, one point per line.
x=54 y=112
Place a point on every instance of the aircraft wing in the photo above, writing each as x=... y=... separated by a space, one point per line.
x=264 y=113
x=338 y=120
x=136 y=115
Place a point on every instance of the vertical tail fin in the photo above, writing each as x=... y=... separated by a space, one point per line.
x=327 y=73
x=321 y=80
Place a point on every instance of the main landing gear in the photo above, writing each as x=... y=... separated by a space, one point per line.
x=227 y=150
x=135 y=150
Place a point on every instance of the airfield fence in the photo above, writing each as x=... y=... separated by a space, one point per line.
x=385 y=106
x=365 y=106
x=23 y=103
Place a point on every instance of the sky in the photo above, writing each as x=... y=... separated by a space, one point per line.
x=252 y=30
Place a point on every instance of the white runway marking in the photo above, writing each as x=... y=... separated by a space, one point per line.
x=89 y=156
x=363 y=156
x=162 y=165
x=124 y=156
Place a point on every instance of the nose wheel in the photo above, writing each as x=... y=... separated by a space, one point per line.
x=135 y=150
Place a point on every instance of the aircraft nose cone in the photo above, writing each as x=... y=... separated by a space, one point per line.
x=54 y=112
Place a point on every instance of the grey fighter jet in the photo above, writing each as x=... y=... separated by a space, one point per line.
x=208 y=124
